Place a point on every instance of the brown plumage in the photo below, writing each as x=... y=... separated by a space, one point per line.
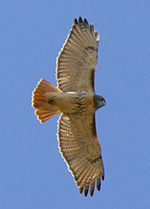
x=77 y=102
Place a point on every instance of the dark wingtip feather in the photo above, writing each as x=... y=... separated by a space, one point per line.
x=92 y=28
x=92 y=188
x=85 y=192
x=75 y=21
x=98 y=184
x=80 y=20
x=85 y=21
x=86 y=189
x=81 y=190
x=92 y=192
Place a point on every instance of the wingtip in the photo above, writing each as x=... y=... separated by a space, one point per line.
x=91 y=192
x=80 y=20
x=80 y=190
x=85 y=21
x=98 y=184
x=97 y=36
x=75 y=21
x=86 y=189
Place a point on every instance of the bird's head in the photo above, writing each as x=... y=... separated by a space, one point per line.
x=99 y=101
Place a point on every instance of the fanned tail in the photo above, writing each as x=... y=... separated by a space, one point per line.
x=45 y=105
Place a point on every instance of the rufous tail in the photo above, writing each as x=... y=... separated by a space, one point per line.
x=45 y=109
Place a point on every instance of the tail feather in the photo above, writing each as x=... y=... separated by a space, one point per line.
x=44 y=115
x=44 y=110
x=45 y=86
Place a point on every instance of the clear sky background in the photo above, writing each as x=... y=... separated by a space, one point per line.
x=32 y=171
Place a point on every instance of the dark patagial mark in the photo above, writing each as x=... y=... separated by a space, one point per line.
x=92 y=78
x=93 y=126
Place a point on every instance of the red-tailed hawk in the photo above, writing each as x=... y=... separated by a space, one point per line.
x=77 y=102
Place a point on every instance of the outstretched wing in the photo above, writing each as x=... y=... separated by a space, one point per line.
x=80 y=148
x=77 y=59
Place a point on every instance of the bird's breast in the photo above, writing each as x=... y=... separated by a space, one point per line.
x=76 y=102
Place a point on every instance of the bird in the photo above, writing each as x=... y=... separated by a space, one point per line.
x=76 y=100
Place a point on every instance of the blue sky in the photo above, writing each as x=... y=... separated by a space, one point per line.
x=33 y=174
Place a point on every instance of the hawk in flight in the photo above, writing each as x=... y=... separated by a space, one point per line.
x=75 y=99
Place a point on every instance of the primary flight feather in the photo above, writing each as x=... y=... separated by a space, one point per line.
x=77 y=102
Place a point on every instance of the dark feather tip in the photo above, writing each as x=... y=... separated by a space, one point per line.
x=85 y=21
x=81 y=190
x=86 y=189
x=92 y=192
x=75 y=21
x=85 y=192
x=80 y=20
x=98 y=184
x=92 y=28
